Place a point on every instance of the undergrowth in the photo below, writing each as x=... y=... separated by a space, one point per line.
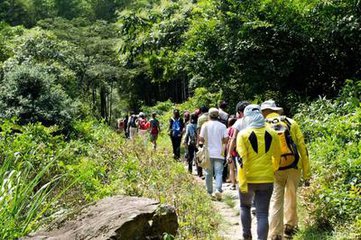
x=44 y=176
x=332 y=129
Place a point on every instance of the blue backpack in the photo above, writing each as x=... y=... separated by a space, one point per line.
x=192 y=140
x=176 y=127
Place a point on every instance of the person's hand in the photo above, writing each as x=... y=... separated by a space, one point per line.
x=229 y=159
x=307 y=183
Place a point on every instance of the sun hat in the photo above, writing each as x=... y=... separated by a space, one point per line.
x=213 y=112
x=271 y=104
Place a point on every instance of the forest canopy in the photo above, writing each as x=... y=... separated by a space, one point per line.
x=114 y=56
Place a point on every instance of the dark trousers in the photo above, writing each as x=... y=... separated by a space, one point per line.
x=261 y=193
x=176 y=141
x=191 y=151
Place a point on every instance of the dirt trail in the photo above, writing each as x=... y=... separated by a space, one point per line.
x=230 y=229
x=228 y=207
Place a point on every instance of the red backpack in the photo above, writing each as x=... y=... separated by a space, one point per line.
x=142 y=124
x=121 y=124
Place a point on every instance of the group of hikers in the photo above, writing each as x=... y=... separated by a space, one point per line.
x=265 y=153
x=138 y=124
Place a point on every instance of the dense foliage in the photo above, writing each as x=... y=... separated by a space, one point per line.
x=30 y=93
x=333 y=130
x=286 y=50
x=44 y=177
x=63 y=62
x=108 y=52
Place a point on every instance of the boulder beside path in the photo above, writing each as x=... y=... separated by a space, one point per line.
x=114 y=218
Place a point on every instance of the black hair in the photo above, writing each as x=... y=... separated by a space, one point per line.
x=241 y=106
x=176 y=113
x=204 y=109
x=231 y=121
x=223 y=105
x=194 y=118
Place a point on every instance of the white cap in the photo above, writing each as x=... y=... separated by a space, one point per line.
x=213 y=112
x=271 y=104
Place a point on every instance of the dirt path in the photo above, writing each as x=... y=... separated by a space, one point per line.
x=230 y=229
x=228 y=207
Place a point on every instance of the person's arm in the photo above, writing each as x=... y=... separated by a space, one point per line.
x=128 y=125
x=225 y=136
x=301 y=147
x=158 y=125
x=243 y=166
x=232 y=143
x=170 y=127
x=181 y=125
x=201 y=135
x=186 y=135
x=276 y=155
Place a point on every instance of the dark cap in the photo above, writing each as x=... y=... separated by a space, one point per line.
x=241 y=106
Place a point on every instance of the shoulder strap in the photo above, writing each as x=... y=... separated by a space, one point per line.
x=287 y=121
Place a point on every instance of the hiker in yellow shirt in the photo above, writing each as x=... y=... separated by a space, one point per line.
x=287 y=177
x=259 y=151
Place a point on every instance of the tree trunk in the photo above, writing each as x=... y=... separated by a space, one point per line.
x=94 y=98
x=103 y=103
x=110 y=103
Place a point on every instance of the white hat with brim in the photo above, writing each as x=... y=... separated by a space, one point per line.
x=213 y=112
x=270 y=104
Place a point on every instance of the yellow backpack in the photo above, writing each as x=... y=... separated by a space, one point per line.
x=289 y=154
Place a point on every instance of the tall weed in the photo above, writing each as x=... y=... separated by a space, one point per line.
x=23 y=199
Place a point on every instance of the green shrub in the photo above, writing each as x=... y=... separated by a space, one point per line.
x=333 y=129
x=30 y=93
x=28 y=176
x=95 y=162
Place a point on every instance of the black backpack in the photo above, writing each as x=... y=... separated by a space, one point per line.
x=133 y=121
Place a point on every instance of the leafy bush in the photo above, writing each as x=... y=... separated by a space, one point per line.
x=333 y=130
x=38 y=167
x=202 y=97
x=30 y=93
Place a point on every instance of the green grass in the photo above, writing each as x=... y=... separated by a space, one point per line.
x=23 y=198
x=228 y=199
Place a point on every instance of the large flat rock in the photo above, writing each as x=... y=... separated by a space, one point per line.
x=116 y=218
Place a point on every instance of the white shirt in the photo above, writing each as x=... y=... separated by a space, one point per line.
x=222 y=115
x=240 y=124
x=216 y=133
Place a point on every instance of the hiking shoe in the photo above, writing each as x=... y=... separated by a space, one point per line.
x=290 y=230
x=247 y=237
x=217 y=195
x=276 y=237
x=253 y=211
